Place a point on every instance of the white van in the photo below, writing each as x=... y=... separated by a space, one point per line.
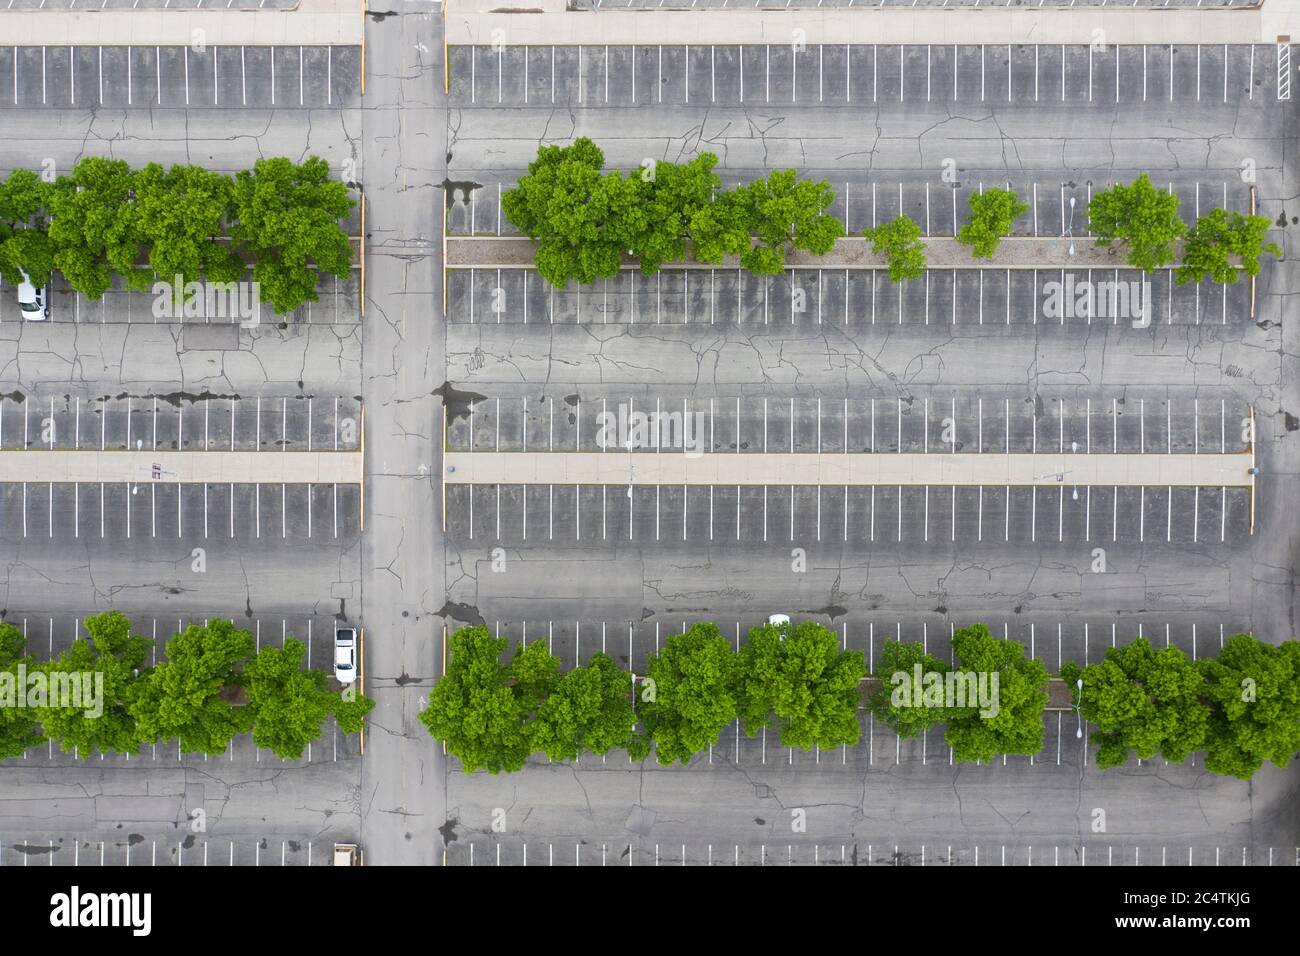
x=32 y=300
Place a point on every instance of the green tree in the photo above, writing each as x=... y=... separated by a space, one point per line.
x=894 y=701
x=117 y=656
x=180 y=218
x=573 y=211
x=285 y=219
x=24 y=244
x=1017 y=727
x=93 y=226
x=1142 y=700
x=290 y=704
x=185 y=697
x=899 y=241
x=798 y=681
x=671 y=195
x=19 y=732
x=1142 y=217
x=688 y=697
x=1216 y=238
x=349 y=709
x=481 y=708
x=590 y=710
x=992 y=214
x=1254 y=692
x=780 y=211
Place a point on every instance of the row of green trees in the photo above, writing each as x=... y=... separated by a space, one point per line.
x=1141 y=217
x=213 y=685
x=1242 y=707
x=493 y=716
x=106 y=220
x=585 y=220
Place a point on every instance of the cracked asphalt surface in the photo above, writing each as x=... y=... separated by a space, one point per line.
x=281 y=562
x=593 y=572
x=588 y=571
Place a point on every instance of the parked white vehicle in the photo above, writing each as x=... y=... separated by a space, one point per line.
x=33 y=300
x=345 y=654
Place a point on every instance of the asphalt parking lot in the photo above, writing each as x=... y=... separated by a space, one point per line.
x=177 y=5
x=863 y=519
x=53 y=849
x=187 y=813
x=616 y=851
x=857 y=298
x=934 y=420
x=1076 y=422
x=792 y=73
x=338 y=303
x=271 y=549
x=180 y=422
x=170 y=510
x=236 y=512
x=87 y=77
x=769 y=365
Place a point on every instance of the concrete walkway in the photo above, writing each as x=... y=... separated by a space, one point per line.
x=404 y=561
x=868 y=24
x=675 y=468
x=490 y=252
x=313 y=23
x=183 y=467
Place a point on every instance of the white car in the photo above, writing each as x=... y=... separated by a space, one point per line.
x=33 y=300
x=779 y=620
x=345 y=654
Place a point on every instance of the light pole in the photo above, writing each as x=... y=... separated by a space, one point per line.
x=1074 y=448
x=1078 y=704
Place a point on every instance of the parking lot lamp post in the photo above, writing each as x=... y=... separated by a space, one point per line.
x=1078 y=704
x=1069 y=229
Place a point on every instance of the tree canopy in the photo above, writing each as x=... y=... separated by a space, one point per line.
x=1217 y=237
x=902 y=713
x=115 y=653
x=1142 y=217
x=585 y=219
x=899 y=241
x=93 y=226
x=184 y=698
x=24 y=244
x=1017 y=727
x=590 y=709
x=1254 y=692
x=290 y=704
x=689 y=695
x=796 y=680
x=285 y=220
x=1142 y=700
x=992 y=214
x=19 y=731
x=481 y=708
